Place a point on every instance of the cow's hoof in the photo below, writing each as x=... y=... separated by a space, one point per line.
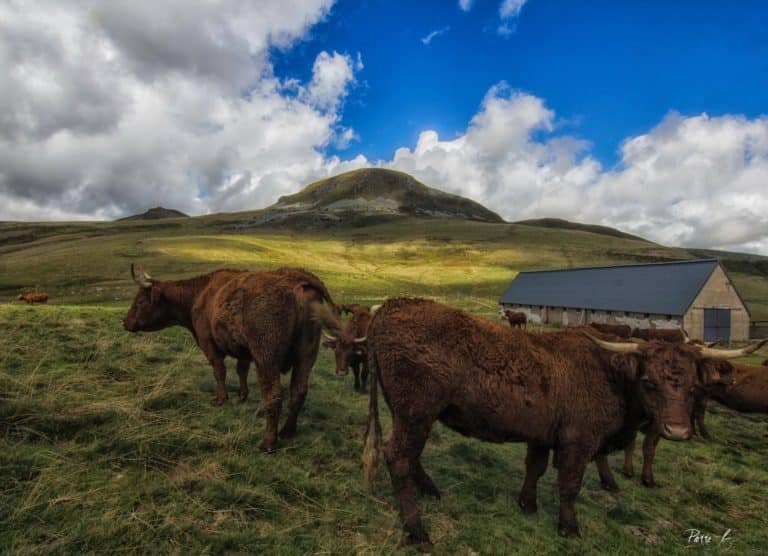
x=650 y=483
x=422 y=544
x=216 y=402
x=243 y=397
x=267 y=447
x=704 y=434
x=609 y=486
x=569 y=531
x=429 y=489
x=628 y=473
x=527 y=505
x=288 y=432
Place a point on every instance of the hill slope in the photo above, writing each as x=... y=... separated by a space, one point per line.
x=156 y=213
x=567 y=225
x=366 y=196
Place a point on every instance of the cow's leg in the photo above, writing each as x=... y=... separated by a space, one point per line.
x=271 y=402
x=399 y=455
x=242 y=374
x=573 y=461
x=356 y=372
x=536 y=461
x=220 y=375
x=364 y=374
x=629 y=469
x=607 y=482
x=699 y=412
x=299 y=389
x=649 y=452
x=418 y=437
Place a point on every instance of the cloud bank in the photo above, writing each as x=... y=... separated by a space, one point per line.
x=693 y=181
x=107 y=109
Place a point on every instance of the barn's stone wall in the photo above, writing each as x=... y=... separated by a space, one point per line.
x=560 y=316
x=718 y=293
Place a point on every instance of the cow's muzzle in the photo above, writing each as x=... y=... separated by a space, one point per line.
x=676 y=432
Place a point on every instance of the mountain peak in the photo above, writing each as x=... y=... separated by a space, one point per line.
x=156 y=213
x=379 y=191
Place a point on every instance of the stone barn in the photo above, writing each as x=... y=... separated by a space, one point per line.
x=697 y=295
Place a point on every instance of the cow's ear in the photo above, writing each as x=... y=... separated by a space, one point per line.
x=714 y=372
x=626 y=366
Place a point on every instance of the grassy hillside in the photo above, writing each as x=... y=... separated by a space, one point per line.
x=108 y=440
x=462 y=262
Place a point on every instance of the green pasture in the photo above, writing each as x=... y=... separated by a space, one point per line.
x=109 y=444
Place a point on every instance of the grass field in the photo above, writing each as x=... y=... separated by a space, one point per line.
x=108 y=441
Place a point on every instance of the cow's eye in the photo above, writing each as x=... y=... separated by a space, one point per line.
x=649 y=384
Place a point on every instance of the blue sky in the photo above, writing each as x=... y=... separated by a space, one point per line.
x=609 y=69
x=646 y=116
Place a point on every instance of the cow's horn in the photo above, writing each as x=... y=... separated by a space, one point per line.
x=618 y=347
x=329 y=337
x=361 y=340
x=637 y=340
x=686 y=339
x=145 y=282
x=731 y=353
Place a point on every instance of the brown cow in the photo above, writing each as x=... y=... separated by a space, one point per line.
x=516 y=319
x=660 y=334
x=262 y=317
x=553 y=391
x=749 y=394
x=348 y=343
x=33 y=297
x=620 y=330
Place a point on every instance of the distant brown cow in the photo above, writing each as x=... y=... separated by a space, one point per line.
x=660 y=334
x=748 y=394
x=33 y=297
x=553 y=391
x=348 y=343
x=621 y=330
x=262 y=317
x=516 y=318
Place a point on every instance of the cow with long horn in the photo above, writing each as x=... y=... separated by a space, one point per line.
x=564 y=392
x=347 y=341
x=259 y=317
x=748 y=394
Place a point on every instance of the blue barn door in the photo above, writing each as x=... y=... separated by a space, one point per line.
x=717 y=325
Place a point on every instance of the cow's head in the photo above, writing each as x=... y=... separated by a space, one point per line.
x=150 y=310
x=339 y=337
x=21 y=297
x=665 y=377
x=345 y=347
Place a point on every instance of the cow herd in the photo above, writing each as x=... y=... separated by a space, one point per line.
x=579 y=393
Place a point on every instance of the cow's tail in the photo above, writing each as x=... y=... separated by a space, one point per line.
x=372 y=450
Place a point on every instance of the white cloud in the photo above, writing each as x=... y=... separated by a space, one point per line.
x=509 y=11
x=693 y=181
x=465 y=5
x=436 y=33
x=108 y=108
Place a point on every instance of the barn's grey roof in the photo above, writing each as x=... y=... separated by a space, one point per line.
x=659 y=288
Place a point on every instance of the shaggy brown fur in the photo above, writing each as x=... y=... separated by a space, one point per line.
x=553 y=391
x=621 y=330
x=262 y=317
x=516 y=319
x=33 y=297
x=349 y=353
